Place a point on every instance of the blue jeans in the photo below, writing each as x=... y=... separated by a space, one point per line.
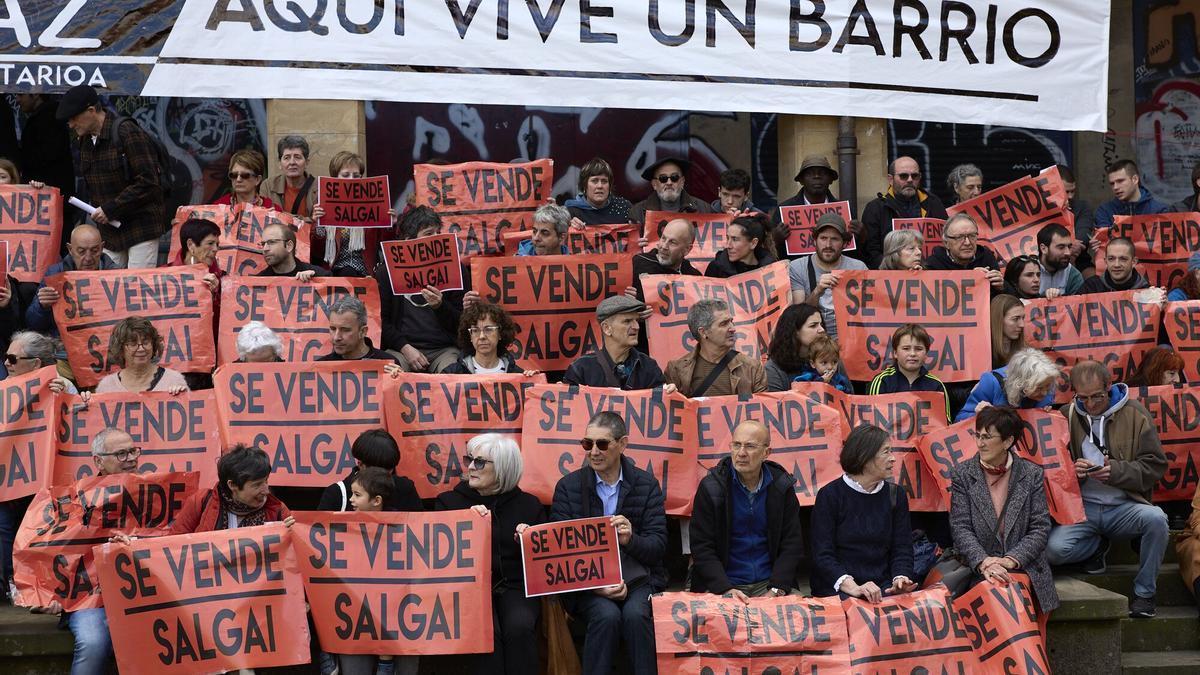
x=607 y=622
x=93 y=644
x=11 y=514
x=1075 y=543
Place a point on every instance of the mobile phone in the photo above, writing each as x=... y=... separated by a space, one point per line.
x=1094 y=467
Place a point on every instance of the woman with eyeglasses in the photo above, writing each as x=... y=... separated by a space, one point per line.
x=136 y=346
x=246 y=171
x=860 y=524
x=998 y=513
x=747 y=248
x=485 y=334
x=1028 y=381
x=493 y=469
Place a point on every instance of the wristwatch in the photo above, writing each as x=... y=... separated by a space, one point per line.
x=777 y=592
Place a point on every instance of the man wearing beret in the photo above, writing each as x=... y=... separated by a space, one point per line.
x=617 y=363
x=120 y=170
x=668 y=178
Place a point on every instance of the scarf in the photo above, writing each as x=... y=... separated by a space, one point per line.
x=996 y=470
x=247 y=516
x=354 y=237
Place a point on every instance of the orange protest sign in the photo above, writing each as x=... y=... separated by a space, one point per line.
x=298 y=312
x=800 y=221
x=1176 y=415
x=711 y=233
x=239 y=248
x=354 y=202
x=553 y=301
x=433 y=416
x=1181 y=321
x=413 y=264
x=909 y=633
x=27 y=421
x=1044 y=441
x=31 y=223
x=1162 y=243
x=615 y=238
x=907 y=418
x=806 y=435
x=175 y=299
x=661 y=437
x=1002 y=623
x=480 y=201
x=206 y=602
x=397 y=583
x=1010 y=216
x=305 y=416
x=175 y=433
x=953 y=306
x=52 y=555
x=1112 y=328
x=930 y=229
x=756 y=299
x=704 y=633
x=570 y=555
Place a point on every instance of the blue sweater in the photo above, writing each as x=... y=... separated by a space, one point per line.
x=860 y=535
x=989 y=389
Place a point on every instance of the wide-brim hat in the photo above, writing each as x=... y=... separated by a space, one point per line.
x=683 y=165
x=815 y=161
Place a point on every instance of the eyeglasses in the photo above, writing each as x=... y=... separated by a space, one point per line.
x=601 y=443
x=11 y=359
x=122 y=454
x=241 y=175
x=476 y=331
x=737 y=447
x=905 y=176
x=271 y=242
x=669 y=178
x=1097 y=397
x=971 y=238
x=982 y=437
x=139 y=345
x=475 y=462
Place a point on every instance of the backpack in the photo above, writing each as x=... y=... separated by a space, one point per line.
x=166 y=179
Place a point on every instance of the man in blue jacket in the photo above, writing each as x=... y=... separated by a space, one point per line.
x=609 y=484
x=1129 y=197
x=85 y=253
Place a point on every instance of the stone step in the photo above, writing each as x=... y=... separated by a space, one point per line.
x=1119 y=579
x=1122 y=552
x=1173 y=629
x=1160 y=663
x=1085 y=631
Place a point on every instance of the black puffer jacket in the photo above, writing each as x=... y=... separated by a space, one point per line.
x=877 y=217
x=590 y=370
x=509 y=509
x=712 y=515
x=640 y=500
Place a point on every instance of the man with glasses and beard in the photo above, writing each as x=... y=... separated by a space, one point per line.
x=668 y=178
x=279 y=252
x=609 y=484
x=904 y=199
x=814 y=276
x=1059 y=276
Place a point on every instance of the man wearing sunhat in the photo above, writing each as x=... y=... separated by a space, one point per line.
x=617 y=363
x=120 y=169
x=815 y=176
x=668 y=178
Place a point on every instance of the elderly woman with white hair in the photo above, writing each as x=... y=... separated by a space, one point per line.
x=903 y=250
x=1028 y=381
x=257 y=343
x=493 y=465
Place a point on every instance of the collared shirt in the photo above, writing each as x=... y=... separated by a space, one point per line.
x=608 y=493
x=854 y=485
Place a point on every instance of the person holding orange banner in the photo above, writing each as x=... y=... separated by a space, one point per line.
x=241 y=497
x=962 y=251
x=617 y=363
x=610 y=484
x=1028 y=381
x=787 y=355
x=348 y=331
x=550 y=225
x=279 y=252
x=494 y=468
x=1160 y=366
x=861 y=531
x=715 y=367
x=1120 y=270
x=485 y=334
x=1008 y=328
x=596 y=204
x=85 y=253
x=903 y=250
x=998 y=512
x=904 y=199
x=814 y=276
x=746 y=248
x=136 y=346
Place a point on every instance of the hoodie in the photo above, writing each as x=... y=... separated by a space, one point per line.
x=1103 y=283
x=1124 y=436
x=1145 y=204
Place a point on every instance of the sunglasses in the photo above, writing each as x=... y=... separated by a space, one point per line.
x=475 y=462
x=588 y=444
x=907 y=176
x=671 y=178
x=11 y=359
x=241 y=175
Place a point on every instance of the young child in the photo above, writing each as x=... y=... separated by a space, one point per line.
x=371 y=490
x=824 y=362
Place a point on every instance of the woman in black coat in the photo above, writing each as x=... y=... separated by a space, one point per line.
x=493 y=464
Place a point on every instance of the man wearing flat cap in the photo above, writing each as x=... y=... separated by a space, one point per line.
x=120 y=170
x=815 y=177
x=668 y=178
x=617 y=363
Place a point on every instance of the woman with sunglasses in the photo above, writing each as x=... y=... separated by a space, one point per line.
x=485 y=333
x=998 y=513
x=747 y=248
x=493 y=468
x=246 y=171
x=136 y=346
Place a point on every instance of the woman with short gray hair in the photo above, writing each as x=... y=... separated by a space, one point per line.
x=493 y=468
x=257 y=343
x=903 y=250
x=1028 y=381
x=966 y=182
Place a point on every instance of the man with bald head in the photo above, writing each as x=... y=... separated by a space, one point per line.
x=745 y=530
x=904 y=198
x=669 y=256
x=85 y=253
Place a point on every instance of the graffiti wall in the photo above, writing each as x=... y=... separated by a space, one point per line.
x=1166 y=43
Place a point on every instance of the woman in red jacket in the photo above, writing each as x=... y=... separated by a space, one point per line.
x=240 y=498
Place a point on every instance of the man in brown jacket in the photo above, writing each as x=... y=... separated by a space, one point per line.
x=1118 y=460
x=715 y=367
